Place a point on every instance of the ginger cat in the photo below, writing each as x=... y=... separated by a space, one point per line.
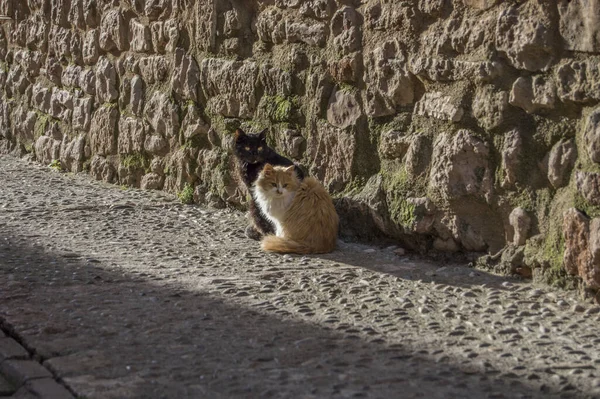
x=303 y=214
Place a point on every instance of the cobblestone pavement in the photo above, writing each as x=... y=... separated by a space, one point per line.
x=128 y=294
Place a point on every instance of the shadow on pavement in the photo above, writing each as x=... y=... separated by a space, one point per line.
x=112 y=335
x=415 y=267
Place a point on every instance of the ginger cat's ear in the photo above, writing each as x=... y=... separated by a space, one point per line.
x=239 y=133
x=268 y=169
x=290 y=169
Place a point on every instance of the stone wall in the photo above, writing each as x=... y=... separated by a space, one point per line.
x=447 y=125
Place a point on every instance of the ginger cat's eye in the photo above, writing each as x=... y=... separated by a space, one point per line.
x=260 y=148
x=247 y=148
x=274 y=184
x=285 y=185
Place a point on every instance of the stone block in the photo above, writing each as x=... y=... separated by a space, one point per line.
x=343 y=109
x=162 y=115
x=186 y=76
x=527 y=34
x=561 y=160
x=141 y=39
x=91 y=45
x=48 y=388
x=230 y=87
x=82 y=113
x=591 y=135
x=533 y=94
x=103 y=131
x=461 y=166
x=113 y=32
x=106 y=81
x=131 y=136
x=588 y=185
x=20 y=371
x=11 y=349
x=439 y=106
x=580 y=25
x=578 y=81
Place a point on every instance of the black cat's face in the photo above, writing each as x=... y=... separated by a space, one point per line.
x=250 y=148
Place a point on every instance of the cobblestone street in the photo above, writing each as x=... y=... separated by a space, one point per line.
x=122 y=293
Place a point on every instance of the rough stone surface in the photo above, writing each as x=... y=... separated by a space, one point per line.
x=129 y=277
x=582 y=246
x=106 y=86
x=343 y=109
x=460 y=166
x=588 y=185
x=533 y=94
x=591 y=135
x=527 y=33
x=560 y=162
x=580 y=25
x=521 y=223
x=439 y=106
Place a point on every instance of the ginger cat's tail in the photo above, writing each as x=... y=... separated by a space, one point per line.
x=284 y=246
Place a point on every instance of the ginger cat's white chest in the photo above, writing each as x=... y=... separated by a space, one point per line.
x=274 y=208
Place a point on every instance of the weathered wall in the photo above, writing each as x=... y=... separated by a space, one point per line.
x=446 y=124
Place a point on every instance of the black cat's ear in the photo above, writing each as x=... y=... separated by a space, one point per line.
x=263 y=135
x=239 y=133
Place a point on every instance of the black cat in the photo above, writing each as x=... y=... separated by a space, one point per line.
x=252 y=153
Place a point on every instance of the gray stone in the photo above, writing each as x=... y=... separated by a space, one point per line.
x=103 y=130
x=394 y=144
x=70 y=76
x=490 y=107
x=141 y=39
x=193 y=124
x=131 y=136
x=591 y=135
x=106 y=81
x=580 y=25
x=292 y=143
x=152 y=181
x=136 y=96
x=47 y=388
x=511 y=158
x=520 y=222
x=102 y=169
x=344 y=109
x=186 y=76
x=460 y=166
x=82 y=114
x=162 y=115
x=443 y=70
x=113 y=32
x=153 y=69
x=561 y=160
x=588 y=185
x=533 y=94
x=20 y=371
x=480 y=4
x=10 y=349
x=87 y=82
x=90 y=47
x=578 y=81
x=229 y=87
x=389 y=84
x=437 y=105
x=155 y=144
x=526 y=33
x=332 y=153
